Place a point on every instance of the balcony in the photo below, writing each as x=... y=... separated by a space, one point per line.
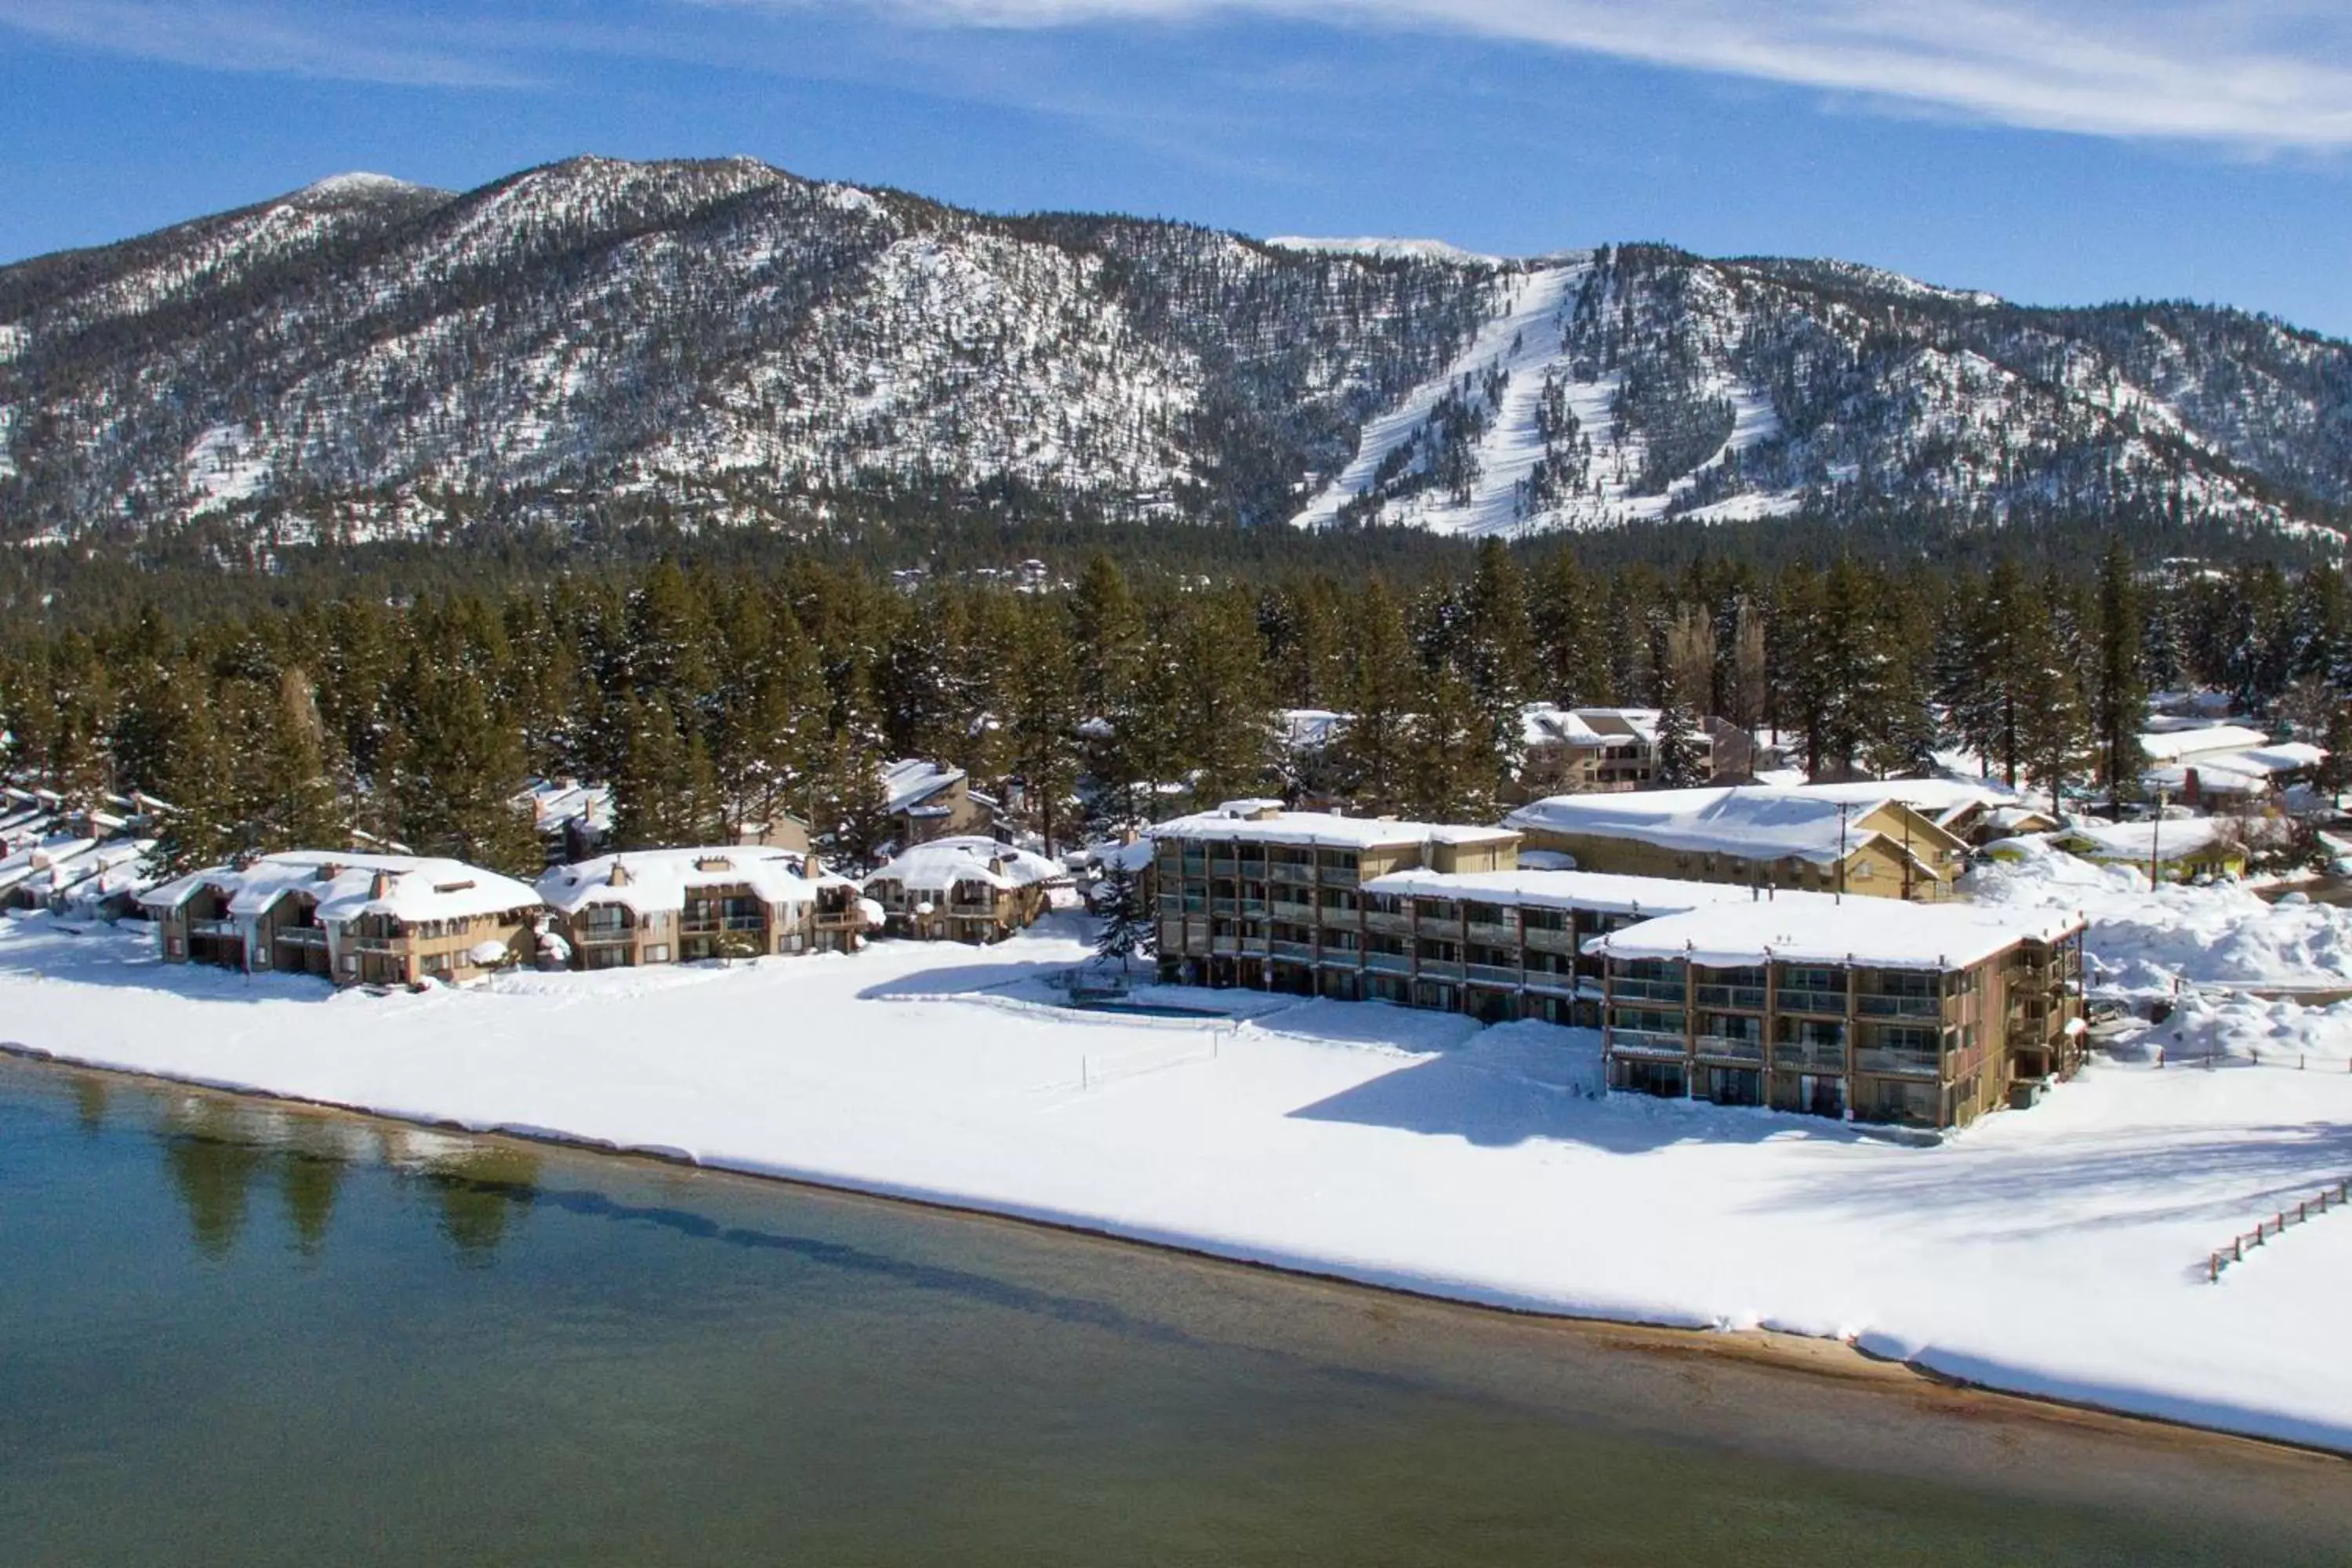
x=1295 y=875
x=1394 y=925
x=1222 y=907
x=1814 y=1057
x=213 y=928
x=1626 y=990
x=1557 y=981
x=1255 y=907
x=1289 y=910
x=1642 y=1043
x=1224 y=866
x=1724 y=1047
x=1389 y=963
x=1229 y=945
x=1302 y=951
x=1490 y=974
x=1873 y=1005
x=303 y=936
x=1903 y=1064
x=1492 y=935
x=1832 y=1003
x=1541 y=941
x=1440 y=969
x=376 y=944
x=1732 y=998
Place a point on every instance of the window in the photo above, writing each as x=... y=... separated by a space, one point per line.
x=658 y=952
x=1862 y=870
x=351 y=964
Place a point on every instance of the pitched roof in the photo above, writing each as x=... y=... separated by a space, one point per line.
x=345 y=886
x=660 y=878
x=940 y=864
x=1758 y=822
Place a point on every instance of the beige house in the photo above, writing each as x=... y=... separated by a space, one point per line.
x=1757 y=835
x=963 y=889
x=675 y=906
x=357 y=919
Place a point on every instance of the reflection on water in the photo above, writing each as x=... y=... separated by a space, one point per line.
x=398 y=1345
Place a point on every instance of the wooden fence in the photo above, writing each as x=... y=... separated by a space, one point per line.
x=2328 y=1198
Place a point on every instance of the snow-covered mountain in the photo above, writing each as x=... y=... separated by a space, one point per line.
x=724 y=343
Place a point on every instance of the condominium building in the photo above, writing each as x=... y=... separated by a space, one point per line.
x=380 y=919
x=1923 y=1016
x=964 y=889
x=666 y=906
x=1825 y=840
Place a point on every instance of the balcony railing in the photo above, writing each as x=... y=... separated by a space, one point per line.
x=1647 y=990
x=1723 y=1045
x=1289 y=910
x=1873 y=1005
x=1224 y=866
x=1643 y=1043
x=1829 y=1001
x=1493 y=974
x=1278 y=872
x=603 y=936
x=1732 y=998
x=1389 y=963
x=1225 y=944
x=1549 y=980
x=1543 y=941
x=1907 y=1064
x=213 y=928
x=1440 y=968
x=1298 y=950
x=375 y=944
x=303 y=936
x=1494 y=935
x=1812 y=1057
x=1394 y=925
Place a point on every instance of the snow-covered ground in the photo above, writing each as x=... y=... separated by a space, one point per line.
x=2059 y=1250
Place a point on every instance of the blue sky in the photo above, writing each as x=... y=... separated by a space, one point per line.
x=2061 y=152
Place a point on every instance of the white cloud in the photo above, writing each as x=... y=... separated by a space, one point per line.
x=257 y=37
x=2260 y=72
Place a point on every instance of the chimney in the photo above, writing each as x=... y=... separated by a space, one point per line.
x=380 y=885
x=619 y=875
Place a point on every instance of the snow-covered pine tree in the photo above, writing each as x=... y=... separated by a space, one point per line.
x=1679 y=763
x=1127 y=928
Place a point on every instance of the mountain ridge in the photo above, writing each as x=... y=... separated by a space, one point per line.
x=723 y=343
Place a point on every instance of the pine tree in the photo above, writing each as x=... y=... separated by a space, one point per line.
x=1126 y=925
x=1372 y=755
x=1679 y=764
x=2119 y=684
x=1041 y=718
x=1450 y=772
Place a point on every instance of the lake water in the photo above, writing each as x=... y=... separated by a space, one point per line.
x=232 y=1332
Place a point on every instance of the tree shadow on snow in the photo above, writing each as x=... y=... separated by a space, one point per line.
x=2108 y=1183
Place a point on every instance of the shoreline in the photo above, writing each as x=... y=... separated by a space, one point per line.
x=1824 y=1358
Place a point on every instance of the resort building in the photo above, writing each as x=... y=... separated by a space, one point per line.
x=1760 y=836
x=1929 y=1016
x=963 y=889
x=929 y=800
x=372 y=919
x=1581 y=751
x=674 y=906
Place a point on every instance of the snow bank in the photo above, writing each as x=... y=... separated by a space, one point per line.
x=2060 y=1249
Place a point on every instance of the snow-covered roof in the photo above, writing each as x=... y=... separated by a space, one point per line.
x=1321 y=829
x=1308 y=729
x=555 y=804
x=911 y=781
x=1603 y=892
x=1878 y=932
x=2134 y=842
x=2174 y=745
x=2250 y=770
x=346 y=886
x=37 y=859
x=1940 y=800
x=940 y=864
x=1541 y=723
x=653 y=879
x=1756 y=822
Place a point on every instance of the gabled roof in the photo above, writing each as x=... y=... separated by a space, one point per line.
x=911 y=781
x=2133 y=842
x=2174 y=745
x=660 y=878
x=344 y=887
x=1755 y=822
x=940 y=864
